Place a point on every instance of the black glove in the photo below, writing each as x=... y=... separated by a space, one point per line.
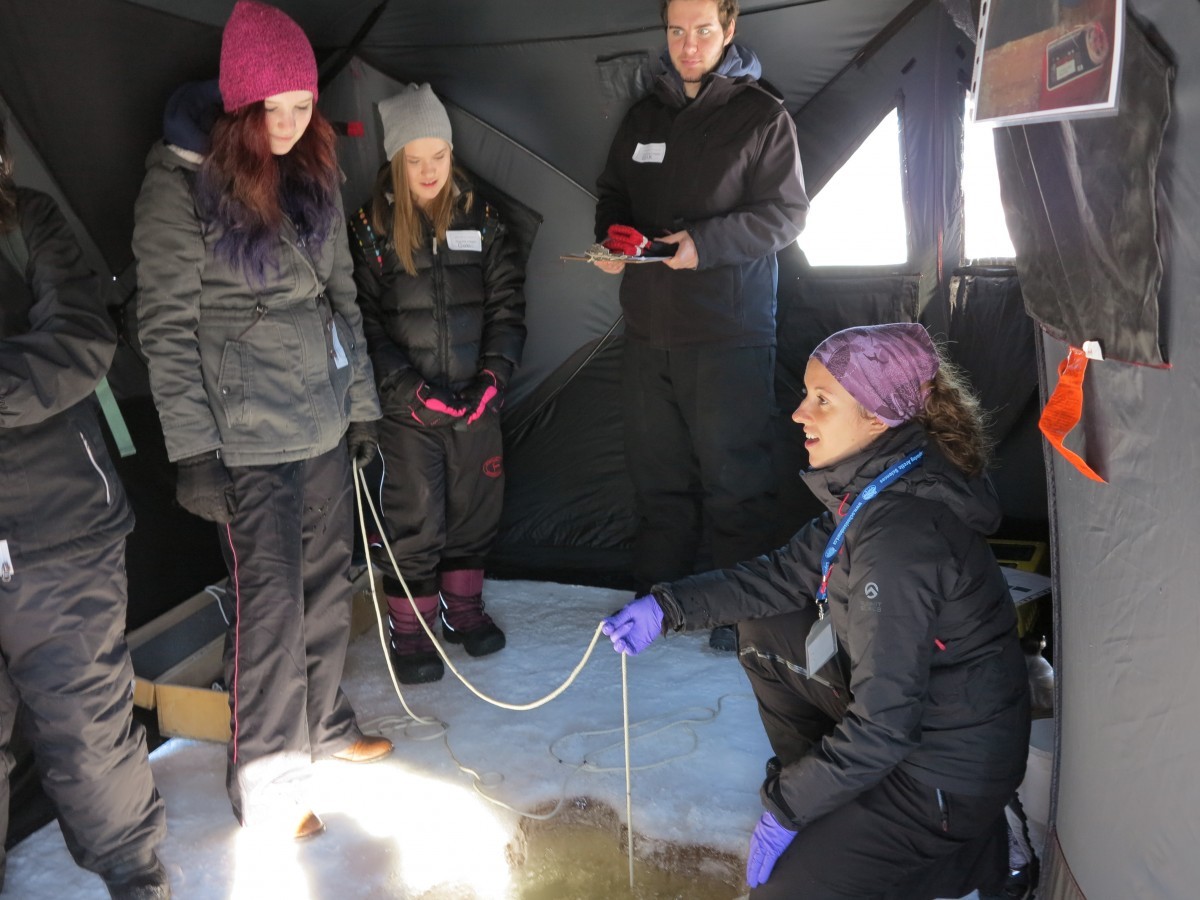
x=362 y=442
x=203 y=487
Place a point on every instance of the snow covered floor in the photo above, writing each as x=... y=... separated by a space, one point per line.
x=414 y=825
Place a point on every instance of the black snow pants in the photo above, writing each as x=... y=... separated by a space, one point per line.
x=698 y=446
x=288 y=553
x=443 y=490
x=63 y=653
x=899 y=840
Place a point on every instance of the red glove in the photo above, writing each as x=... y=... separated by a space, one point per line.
x=625 y=240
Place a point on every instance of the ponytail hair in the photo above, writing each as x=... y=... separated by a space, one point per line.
x=955 y=421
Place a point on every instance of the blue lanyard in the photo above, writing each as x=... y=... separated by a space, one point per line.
x=869 y=493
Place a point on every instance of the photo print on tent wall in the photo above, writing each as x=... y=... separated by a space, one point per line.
x=1043 y=60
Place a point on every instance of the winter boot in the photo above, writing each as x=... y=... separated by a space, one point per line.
x=463 y=619
x=414 y=659
x=723 y=638
x=138 y=880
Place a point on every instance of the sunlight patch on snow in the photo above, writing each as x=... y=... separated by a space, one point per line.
x=438 y=828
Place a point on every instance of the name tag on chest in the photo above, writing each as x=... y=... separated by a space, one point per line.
x=464 y=240
x=340 y=360
x=649 y=153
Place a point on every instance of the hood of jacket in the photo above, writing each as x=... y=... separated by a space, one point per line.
x=972 y=500
x=739 y=65
x=191 y=112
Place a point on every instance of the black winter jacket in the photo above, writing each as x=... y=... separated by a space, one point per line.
x=731 y=178
x=462 y=312
x=61 y=493
x=925 y=624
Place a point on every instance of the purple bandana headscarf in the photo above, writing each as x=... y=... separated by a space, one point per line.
x=886 y=368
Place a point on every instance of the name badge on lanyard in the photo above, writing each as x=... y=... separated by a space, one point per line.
x=820 y=645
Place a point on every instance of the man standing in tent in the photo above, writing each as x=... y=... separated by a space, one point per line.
x=707 y=168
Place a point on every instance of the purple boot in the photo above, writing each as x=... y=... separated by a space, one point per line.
x=463 y=619
x=414 y=658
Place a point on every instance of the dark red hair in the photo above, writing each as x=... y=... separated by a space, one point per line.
x=245 y=190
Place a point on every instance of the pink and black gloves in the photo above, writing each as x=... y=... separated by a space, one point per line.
x=435 y=406
x=428 y=404
x=481 y=395
x=635 y=627
x=628 y=241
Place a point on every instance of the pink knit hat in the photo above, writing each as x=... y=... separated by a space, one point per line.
x=263 y=53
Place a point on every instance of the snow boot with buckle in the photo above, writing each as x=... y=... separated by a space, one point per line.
x=463 y=619
x=414 y=659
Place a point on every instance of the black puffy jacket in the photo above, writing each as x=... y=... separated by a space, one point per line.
x=925 y=625
x=729 y=174
x=463 y=311
x=61 y=493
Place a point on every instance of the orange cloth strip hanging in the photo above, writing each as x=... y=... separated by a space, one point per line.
x=1065 y=407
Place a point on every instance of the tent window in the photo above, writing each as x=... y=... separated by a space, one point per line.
x=858 y=217
x=985 y=230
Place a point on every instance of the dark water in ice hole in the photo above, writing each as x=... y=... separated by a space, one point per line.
x=589 y=861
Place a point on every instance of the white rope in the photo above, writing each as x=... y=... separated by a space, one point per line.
x=516 y=707
x=442 y=730
x=628 y=790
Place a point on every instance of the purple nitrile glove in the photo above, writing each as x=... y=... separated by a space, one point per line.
x=767 y=844
x=635 y=627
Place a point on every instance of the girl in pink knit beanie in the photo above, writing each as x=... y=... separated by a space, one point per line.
x=259 y=370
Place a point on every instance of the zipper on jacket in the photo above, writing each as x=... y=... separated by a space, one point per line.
x=943 y=809
x=440 y=311
x=107 y=490
x=6 y=566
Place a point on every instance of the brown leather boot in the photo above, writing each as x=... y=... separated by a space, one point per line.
x=367 y=749
x=310 y=826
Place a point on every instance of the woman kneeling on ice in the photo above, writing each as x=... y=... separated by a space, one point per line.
x=881 y=642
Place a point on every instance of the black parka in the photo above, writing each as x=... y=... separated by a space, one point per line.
x=61 y=493
x=731 y=177
x=462 y=312
x=925 y=624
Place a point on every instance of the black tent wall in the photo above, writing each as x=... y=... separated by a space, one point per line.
x=549 y=81
x=1127 y=567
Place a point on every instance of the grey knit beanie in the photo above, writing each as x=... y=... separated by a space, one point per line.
x=413 y=113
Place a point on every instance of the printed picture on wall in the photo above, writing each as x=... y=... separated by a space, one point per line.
x=1041 y=60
